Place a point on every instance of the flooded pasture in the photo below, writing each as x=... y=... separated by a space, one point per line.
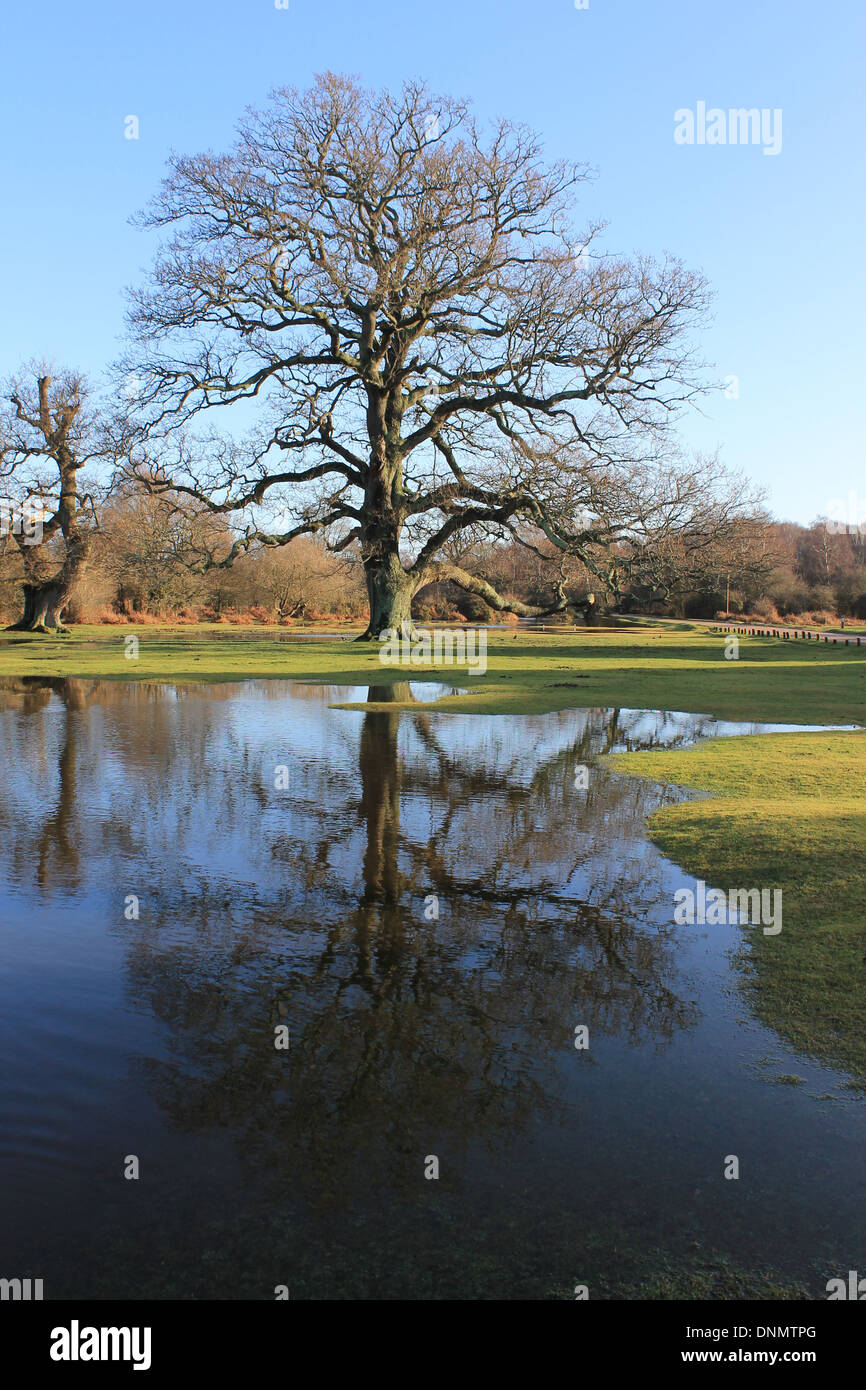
x=429 y=905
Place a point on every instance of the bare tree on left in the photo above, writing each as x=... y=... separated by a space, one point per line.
x=50 y=430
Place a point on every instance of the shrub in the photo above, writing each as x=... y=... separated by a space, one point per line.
x=765 y=608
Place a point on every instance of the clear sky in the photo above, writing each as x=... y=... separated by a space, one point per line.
x=780 y=236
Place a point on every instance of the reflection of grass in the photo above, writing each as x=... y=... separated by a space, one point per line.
x=708 y=1276
x=789 y=812
x=423 y=1251
x=643 y=665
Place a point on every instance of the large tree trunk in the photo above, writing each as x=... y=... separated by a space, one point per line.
x=45 y=601
x=389 y=587
x=389 y=591
x=44 y=605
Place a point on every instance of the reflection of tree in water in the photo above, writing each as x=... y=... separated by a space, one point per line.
x=408 y=1035
x=48 y=846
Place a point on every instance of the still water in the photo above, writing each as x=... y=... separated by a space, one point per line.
x=430 y=907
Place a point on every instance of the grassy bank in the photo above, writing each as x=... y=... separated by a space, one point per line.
x=787 y=811
x=670 y=666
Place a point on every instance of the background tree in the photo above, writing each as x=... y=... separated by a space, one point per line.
x=300 y=579
x=148 y=548
x=436 y=347
x=49 y=433
x=721 y=540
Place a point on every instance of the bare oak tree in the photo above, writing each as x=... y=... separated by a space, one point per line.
x=49 y=432
x=435 y=348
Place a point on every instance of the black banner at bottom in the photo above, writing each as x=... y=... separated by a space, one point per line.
x=161 y=1340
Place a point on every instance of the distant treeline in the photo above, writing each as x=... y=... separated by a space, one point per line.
x=144 y=564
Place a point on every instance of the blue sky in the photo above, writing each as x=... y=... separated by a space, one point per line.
x=780 y=237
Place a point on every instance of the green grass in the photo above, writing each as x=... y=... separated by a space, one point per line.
x=651 y=666
x=787 y=811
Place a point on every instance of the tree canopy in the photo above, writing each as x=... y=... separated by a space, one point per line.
x=434 y=348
